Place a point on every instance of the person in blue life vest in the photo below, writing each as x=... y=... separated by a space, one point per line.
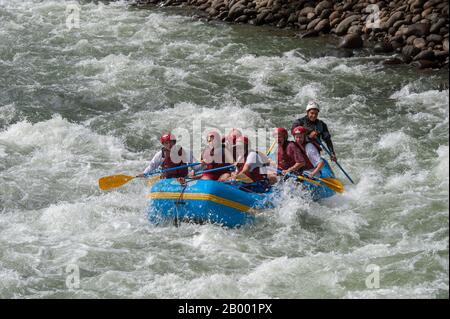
x=316 y=127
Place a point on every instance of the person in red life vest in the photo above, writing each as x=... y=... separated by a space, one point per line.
x=215 y=155
x=251 y=164
x=289 y=156
x=171 y=155
x=310 y=151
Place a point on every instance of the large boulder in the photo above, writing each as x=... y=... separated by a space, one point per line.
x=351 y=41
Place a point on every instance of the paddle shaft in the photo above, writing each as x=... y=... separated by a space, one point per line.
x=170 y=169
x=214 y=169
x=339 y=165
x=271 y=148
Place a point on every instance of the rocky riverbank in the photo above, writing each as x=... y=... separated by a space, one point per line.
x=412 y=31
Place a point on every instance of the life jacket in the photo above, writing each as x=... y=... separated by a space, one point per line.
x=209 y=153
x=308 y=164
x=285 y=161
x=168 y=163
x=255 y=175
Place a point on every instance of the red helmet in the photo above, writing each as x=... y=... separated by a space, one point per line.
x=167 y=137
x=299 y=130
x=280 y=131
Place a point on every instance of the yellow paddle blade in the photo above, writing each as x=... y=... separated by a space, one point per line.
x=108 y=182
x=308 y=180
x=243 y=178
x=333 y=183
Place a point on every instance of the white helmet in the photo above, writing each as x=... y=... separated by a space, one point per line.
x=312 y=105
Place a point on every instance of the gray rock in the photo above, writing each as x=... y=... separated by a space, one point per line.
x=311 y=16
x=425 y=55
x=416 y=18
x=394 y=17
x=345 y=24
x=383 y=47
x=409 y=52
x=241 y=19
x=440 y=55
x=351 y=41
x=323 y=26
x=261 y=16
x=302 y=20
x=306 y=10
x=357 y=29
x=417 y=4
x=396 y=45
x=430 y=3
x=322 y=6
x=236 y=10
x=325 y=14
x=418 y=29
x=425 y=64
x=420 y=43
x=334 y=15
x=335 y=22
x=434 y=38
x=438 y=25
x=445 y=45
x=313 y=23
x=410 y=39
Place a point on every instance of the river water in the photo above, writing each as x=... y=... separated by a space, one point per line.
x=88 y=101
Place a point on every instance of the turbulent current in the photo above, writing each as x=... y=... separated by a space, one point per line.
x=81 y=99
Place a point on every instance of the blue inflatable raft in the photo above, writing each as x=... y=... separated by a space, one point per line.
x=227 y=204
x=204 y=201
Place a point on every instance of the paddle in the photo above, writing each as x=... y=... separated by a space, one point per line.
x=108 y=182
x=329 y=153
x=331 y=183
x=271 y=147
x=214 y=169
